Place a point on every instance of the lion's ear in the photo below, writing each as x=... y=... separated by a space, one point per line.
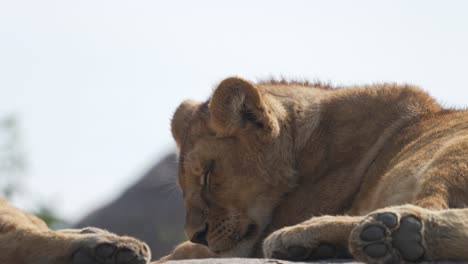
x=237 y=104
x=181 y=119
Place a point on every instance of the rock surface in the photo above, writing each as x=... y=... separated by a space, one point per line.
x=250 y=261
x=272 y=261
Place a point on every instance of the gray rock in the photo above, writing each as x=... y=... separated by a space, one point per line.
x=272 y=261
x=249 y=261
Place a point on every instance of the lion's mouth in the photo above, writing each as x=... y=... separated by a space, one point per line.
x=251 y=232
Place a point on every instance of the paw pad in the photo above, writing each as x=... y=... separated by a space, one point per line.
x=298 y=252
x=373 y=233
x=385 y=238
x=408 y=239
x=324 y=251
x=107 y=253
x=125 y=256
x=388 y=219
x=105 y=250
x=376 y=250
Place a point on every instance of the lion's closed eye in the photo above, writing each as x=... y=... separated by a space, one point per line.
x=205 y=179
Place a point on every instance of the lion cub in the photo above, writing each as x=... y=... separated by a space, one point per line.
x=25 y=239
x=298 y=171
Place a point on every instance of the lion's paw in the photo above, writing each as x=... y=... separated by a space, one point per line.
x=96 y=247
x=290 y=243
x=319 y=238
x=389 y=236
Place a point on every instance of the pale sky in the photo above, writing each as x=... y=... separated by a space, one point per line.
x=95 y=83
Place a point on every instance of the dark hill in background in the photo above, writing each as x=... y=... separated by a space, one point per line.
x=151 y=210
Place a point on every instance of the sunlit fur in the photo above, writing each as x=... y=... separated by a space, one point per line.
x=287 y=151
x=25 y=239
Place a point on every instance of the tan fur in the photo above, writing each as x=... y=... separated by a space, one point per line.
x=284 y=152
x=25 y=239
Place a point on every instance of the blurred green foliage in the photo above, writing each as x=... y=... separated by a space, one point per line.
x=48 y=215
x=12 y=158
x=13 y=169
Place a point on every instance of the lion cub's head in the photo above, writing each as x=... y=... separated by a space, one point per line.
x=235 y=164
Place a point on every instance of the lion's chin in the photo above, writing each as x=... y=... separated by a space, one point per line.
x=244 y=247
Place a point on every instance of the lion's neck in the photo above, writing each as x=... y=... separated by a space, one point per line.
x=353 y=127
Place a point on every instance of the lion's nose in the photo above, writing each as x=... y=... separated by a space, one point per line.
x=199 y=237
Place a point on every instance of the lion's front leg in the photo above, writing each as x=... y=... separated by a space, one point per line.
x=188 y=250
x=318 y=238
x=85 y=246
x=26 y=239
